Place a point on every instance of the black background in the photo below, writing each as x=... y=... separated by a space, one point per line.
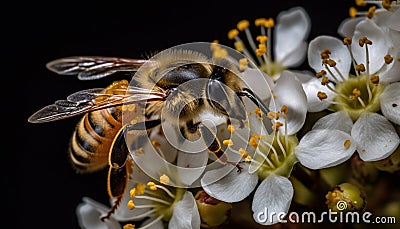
x=42 y=191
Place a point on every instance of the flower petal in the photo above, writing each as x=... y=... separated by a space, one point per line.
x=273 y=195
x=378 y=49
x=226 y=184
x=155 y=225
x=289 y=92
x=393 y=21
x=392 y=72
x=258 y=82
x=191 y=166
x=324 y=148
x=390 y=102
x=89 y=213
x=348 y=25
x=375 y=136
x=185 y=214
x=336 y=121
x=292 y=28
x=339 y=53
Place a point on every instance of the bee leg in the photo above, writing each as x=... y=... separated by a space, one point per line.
x=214 y=145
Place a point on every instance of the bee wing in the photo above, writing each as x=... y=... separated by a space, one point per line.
x=93 y=67
x=94 y=99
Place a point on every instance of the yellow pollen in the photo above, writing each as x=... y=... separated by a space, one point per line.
x=361 y=3
x=253 y=141
x=375 y=79
x=214 y=45
x=231 y=128
x=262 y=49
x=277 y=125
x=262 y=39
x=363 y=41
x=258 y=111
x=227 y=142
x=346 y=144
x=387 y=4
x=388 y=59
x=233 y=33
x=131 y=205
x=164 y=179
x=269 y=23
x=220 y=53
x=247 y=159
x=273 y=115
x=320 y=74
x=347 y=41
x=360 y=68
x=356 y=92
x=139 y=189
x=325 y=54
x=322 y=95
x=284 y=109
x=129 y=226
x=325 y=80
x=331 y=63
x=333 y=194
x=132 y=192
x=152 y=185
x=242 y=25
x=243 y=153
x=260 y=21
x=371 y=12
x=155 y=143
x=239 y=46
x=353 y=12
x=243 y=64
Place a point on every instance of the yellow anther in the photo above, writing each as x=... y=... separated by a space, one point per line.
x=227 y=142
x=233 y=33
x=139 y=151
x=331 y=63
x=325 y=80
x=387 y=4
x=361 y=3
x=322 y=95
x=220 y=53
x=164 y=179
x=262 y=49
x=238 y=46
x=152 y=186
x=325 y=54
x=273 y=115
x=132 y=192
x=129 y=226
x=363 y=41
x=356 y=92
x=371 y=12
x=231 y=128
x=388 y=59
x=375 y=79
x=360 y=68
x=243 y=64
x=139 y=189
x=258 y=111
x=284 y=109
x=346 y=144
x=353 y=12
x=214 y=45
x=253 y=141
x=155 y=143
x=247 y=159
x=320 y=74
x=242 y=25
x=333 y=194
x=347 y=41
x=260 y=21
x=269 y=23
x=262 y=39
x=277 y=125
x=243 y=153
x=131 y=205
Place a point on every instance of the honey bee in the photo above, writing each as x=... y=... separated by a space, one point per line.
x=161 y=90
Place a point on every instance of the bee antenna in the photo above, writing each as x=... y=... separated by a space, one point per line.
x=254 y=98
x=112 y=210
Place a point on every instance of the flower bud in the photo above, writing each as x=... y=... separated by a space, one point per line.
x=346 y=197
x=363 y=171
x=390 y=164
x=213 y=212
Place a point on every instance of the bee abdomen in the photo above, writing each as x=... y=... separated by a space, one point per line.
x=92 y=139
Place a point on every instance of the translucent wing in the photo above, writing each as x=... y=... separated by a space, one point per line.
x=93 y=67
x=94 y=99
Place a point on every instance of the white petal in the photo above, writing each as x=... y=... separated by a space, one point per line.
x=226 y=184
x=273 y=195
x=339 y=53
x=324 y=148
x=375 y=136
x=377 y=50
x=296 y=57
x=155 y=225
x=311 y=86
x=292 y=28
x=289 y=92
x=185 y=214
x=390 y=102
x=258 y=82
x=348 y=25
x=89 y=213
x=336 y=121
x=191 y=166
x=393 y=21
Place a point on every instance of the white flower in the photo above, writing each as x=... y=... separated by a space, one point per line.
x=289 y=41
x=89 y=213
x=271 y=157
x=357 y=99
